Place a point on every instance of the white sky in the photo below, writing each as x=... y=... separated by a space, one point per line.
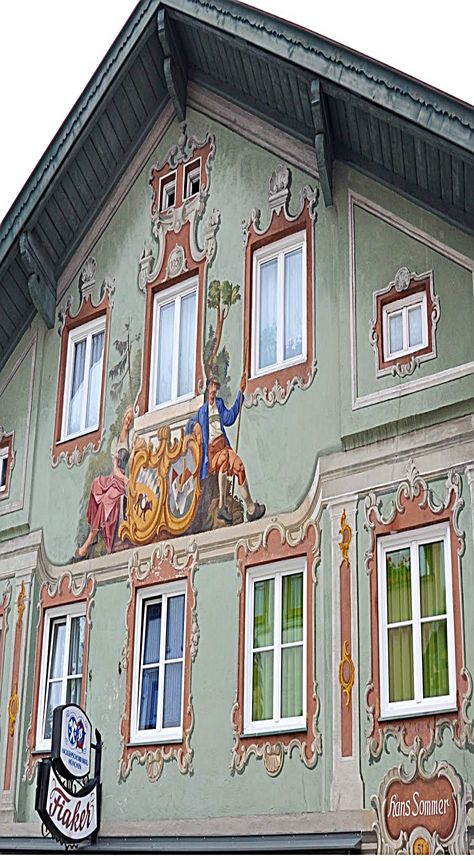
x=49 y=49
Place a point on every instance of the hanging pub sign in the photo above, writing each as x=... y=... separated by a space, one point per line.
x=68 y=801
x=424 y=813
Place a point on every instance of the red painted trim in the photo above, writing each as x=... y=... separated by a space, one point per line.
x=86 y=314
x=279 y=228
x=63 y=597
x=423 y=725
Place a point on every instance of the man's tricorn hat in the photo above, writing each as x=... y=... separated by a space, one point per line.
x=213 y=378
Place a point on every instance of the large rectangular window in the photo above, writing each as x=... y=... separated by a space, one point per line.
x=279 y=304
x=417 y=659
x=275 y=662
x=173 y=366
x=83 y=379
x=62 y=667
x=159 y=665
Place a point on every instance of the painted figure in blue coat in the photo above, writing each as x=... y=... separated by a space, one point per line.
x=217 y=454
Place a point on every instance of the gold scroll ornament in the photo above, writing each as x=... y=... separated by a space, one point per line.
x=346 y=535
x=164 y=488
x=346 y=679
x=13 y=710
x=21 y=604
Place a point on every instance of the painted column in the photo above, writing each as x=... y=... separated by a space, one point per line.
x=346 y=788
x=8 y=774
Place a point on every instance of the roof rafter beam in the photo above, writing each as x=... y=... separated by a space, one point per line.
x=41 y=280
x=322 y=140
x=174 y=65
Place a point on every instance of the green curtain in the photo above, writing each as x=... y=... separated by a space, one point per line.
x=292 y=681
x=434 y=645
x=399 y=586
x=262 y=697
x=400 y=664
x=263 y=636
x=292 y=609
x=263 y=613
x=432 y=580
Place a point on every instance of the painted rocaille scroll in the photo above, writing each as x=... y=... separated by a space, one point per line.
x=64 y=592
x=163 y=569
x=414 y=506
x=276 y=386
x=278 y=543
x=346 y=664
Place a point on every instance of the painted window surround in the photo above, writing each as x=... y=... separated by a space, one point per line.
x=420 y=705
x=275 y=384
x=270 y=745
x=68 y=611
x=73 y=449
x=60 y=598
x=162 y=574
x=415 y=508
x=406 y=288
x=179 y=260
x=6 y=453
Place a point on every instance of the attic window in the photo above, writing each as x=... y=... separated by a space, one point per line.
x=168 y=191
x=6 y=463
x=4 y=453
x=192 y=179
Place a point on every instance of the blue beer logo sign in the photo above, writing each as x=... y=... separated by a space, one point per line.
x=74 y=751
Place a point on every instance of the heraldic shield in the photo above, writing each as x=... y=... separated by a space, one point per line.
x=164 y=488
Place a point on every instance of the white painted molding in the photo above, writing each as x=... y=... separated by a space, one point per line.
x=437 y=379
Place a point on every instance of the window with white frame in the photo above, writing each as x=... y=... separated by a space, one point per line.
x=158 y=673
x=416 y=625
x=405 y=326
x=192 y=179
x=4 y=454
x=168 y=191
x=83 y=379
x=279 y=304
x=275 y=647
x=173 y=362
x=61 y=666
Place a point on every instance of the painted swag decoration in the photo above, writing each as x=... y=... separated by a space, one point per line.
x=181 y=481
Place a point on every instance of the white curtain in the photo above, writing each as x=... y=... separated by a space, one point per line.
x=165 y=353
x=293 y=340
x=77 y=387
x=187 y=345
x=95 y=380
x=415 y=335
x=268 y=313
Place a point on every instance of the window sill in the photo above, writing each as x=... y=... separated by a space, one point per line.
x=174 y=415
x=155 y=742
x=79 y=435
x=275 y=369
x=277 y=730
x=429 y=711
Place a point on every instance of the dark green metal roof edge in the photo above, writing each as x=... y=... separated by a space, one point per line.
x=72 y=126
x=443 y=115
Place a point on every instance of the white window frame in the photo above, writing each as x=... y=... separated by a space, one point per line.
x=167 y=183
x=419 y=705
x=4 y=455
x=264 y=255
x=87 y=330
x=69 y=612
x=403 y=305
x=149 y=594
x=276 y=571
x=188 y=176
x=177 y=294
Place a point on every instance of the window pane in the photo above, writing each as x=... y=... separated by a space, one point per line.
x=76 y=646
x=73 y=691
x=149 y=699
x=58 y=637
x=293 y=304
x=187 y=347
x=267 y=343
x=53 y=700
x=400 y=664
x=151 y=652
x=415 y=330
x=77 y=387
x=292 y=682
x=432 y=582
x=95 y=380
x=172 y=698
x=174 y=628
x=434 y=645
x=262 y=694
x=263 y=613
x=396 y=332
x=398 y=585
x=165 y=353
x=292 y=612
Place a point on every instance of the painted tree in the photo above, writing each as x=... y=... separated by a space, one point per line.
x=121 y=372
x=221 y=296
